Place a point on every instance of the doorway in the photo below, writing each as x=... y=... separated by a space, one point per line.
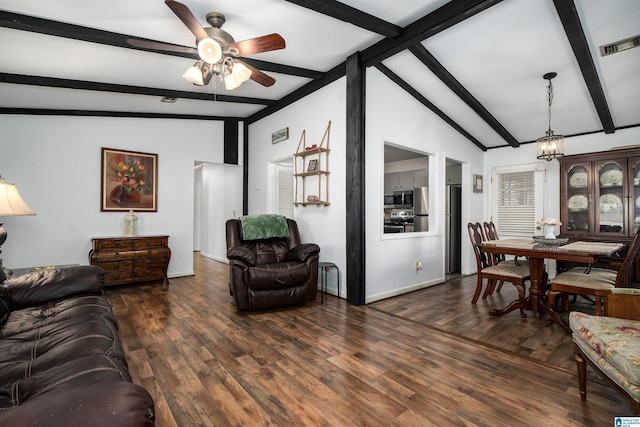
x=453 y=218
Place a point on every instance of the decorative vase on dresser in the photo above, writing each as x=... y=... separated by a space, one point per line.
x=131 y=259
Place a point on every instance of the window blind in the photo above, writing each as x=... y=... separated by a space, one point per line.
x=285 y=191
x=516 y=207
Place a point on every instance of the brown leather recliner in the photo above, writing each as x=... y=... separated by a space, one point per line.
x=271 y=272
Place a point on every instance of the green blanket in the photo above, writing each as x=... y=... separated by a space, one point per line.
x=265 y=226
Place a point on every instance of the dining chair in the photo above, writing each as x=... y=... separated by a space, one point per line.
x=494 y=271
x=491 y=233
x=594 y=282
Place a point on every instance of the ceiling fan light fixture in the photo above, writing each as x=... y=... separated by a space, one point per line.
x=550 y=146
x=230 y=82
x=194 y=74
x=210 y=50
x=241 y=72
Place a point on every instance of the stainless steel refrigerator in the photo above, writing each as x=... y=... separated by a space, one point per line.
x=421 y=209
x=453 y=228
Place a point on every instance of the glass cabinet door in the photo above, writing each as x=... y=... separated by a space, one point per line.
x=610 y=198
x=577 y=197
x=634 y=191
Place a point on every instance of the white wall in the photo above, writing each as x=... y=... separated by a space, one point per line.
x=527 y=153
x=392 y=116
x=322 y=225
x=396 y=117
x=509 y=156
x=222 y=200
x=55 y=163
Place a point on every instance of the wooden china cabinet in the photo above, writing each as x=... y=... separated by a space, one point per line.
x=600 y=197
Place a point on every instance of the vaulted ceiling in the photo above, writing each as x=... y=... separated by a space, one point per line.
x=476 y=64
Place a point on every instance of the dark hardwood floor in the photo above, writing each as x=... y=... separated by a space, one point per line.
x=426 y=358
x=448 y=307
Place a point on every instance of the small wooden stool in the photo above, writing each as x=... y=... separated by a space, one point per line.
x=324 y=266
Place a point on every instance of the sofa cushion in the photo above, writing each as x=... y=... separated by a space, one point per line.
x=277 y=276
x=5 y=307
x=616 y=341
x=268 y=251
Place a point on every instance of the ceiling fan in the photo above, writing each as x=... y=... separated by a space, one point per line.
x=218 y=51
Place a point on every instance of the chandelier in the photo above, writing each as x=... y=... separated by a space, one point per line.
x=218 y=62
x=550 y=146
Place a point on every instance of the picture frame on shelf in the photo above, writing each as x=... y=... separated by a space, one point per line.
x=128 y=181
x=313 y=165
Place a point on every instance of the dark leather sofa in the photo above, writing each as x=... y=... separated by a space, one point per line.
x=61 y=359
x=271 y=272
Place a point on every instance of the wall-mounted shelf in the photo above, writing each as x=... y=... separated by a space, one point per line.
x=311 y=167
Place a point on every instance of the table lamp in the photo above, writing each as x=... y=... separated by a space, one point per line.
x=11 y=204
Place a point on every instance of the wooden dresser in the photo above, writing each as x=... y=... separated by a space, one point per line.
x=131 y=259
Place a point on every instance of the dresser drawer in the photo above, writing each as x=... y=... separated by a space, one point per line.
x=126 y=265
x=113 y=277
x=113 y=245
x=151 y=242
x=106 y=256
x=132 y=259
x=148 y=263
x=150 y=253
x=148 y=274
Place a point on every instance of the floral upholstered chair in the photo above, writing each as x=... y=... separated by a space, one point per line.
x=610 y=344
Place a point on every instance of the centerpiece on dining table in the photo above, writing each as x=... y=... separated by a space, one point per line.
x=549 y=238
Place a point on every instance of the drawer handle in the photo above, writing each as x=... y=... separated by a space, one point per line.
x=117 y=254
x=149 y=251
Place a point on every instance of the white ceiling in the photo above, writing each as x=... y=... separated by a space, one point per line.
x=498 y=56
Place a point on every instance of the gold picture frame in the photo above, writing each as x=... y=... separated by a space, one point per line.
x=128 y=181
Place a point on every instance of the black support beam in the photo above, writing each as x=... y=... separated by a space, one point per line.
x=349 y=14
x=118 y=88
x=573 y=28
x=452 y=83
x=439 y=20
x=355 y=203
x=78 y=32
x=424 y=101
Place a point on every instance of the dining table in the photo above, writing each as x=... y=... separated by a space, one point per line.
x=575 y=251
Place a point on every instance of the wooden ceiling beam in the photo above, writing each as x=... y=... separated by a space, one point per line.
x=351 y=15
x=573 y=28
x=439 y=20
x=127 y=89
x=33 y=24
x=447 y=78
x=424 y=101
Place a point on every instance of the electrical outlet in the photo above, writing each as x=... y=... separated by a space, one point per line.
x=418 y=265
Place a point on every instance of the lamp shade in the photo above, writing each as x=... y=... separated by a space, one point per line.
x=194 y=75
x=209 y=50
x=241 y=72
x=550 y=147
x=11 y=204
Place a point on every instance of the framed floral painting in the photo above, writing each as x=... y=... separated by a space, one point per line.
x=129 y=181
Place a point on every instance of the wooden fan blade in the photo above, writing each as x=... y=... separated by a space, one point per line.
x=260 y=44
x=258 y=76
x=187 y=18
x=148 y=44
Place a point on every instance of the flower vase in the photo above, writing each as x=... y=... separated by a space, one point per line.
x=131 y=196
x=548 y=232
